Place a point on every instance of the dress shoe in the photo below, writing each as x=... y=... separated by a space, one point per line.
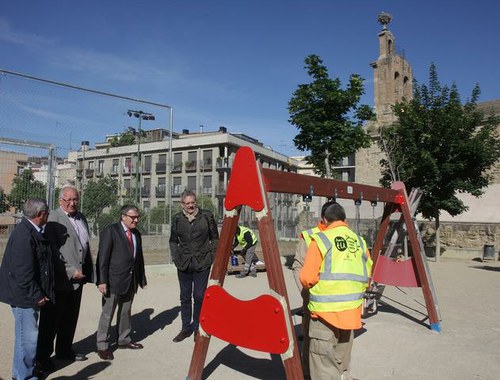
x=75 y=357
x=131 y=346
x=45 y=365
x=105 y=354
x=182 y=335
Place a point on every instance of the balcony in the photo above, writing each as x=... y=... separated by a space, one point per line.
x=207 y=191
x=224 y=163
x=161 y=167
x=220 y=189
x=160 y=191
x=177 y=168
x=190 y=166
x=206 y=165
x=176 y=191
x=89 y=173
x=99 y=174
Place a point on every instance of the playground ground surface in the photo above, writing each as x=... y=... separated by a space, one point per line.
x=395 y=343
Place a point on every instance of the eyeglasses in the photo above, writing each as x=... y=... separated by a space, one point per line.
x=133 y=217
x=74 y=200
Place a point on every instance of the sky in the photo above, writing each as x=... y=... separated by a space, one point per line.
x=233 y=63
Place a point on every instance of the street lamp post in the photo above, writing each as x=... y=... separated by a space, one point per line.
x=141 y=115
x=84 y=145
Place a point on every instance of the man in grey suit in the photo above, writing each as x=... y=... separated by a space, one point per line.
x=67 y=231
x=120 y=271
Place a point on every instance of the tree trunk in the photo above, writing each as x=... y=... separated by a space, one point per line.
x=438 y=238
x=327 y=165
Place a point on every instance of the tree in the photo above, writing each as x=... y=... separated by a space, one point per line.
x=4 y=205
x=24 y=187
x=440 y=146
x=125 y=138
x=329 y=118
x=98 y=195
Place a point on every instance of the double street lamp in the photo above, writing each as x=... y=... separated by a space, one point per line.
x=141 y=115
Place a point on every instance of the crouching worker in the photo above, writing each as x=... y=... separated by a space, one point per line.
x=248 y=241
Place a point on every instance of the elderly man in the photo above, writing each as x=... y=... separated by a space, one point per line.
x=26 y=283
x=68 y=231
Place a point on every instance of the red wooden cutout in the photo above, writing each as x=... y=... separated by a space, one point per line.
x=396 y=273
x=257 y=324
x=244 y=186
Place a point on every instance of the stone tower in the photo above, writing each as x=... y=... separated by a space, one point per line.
x=393 y=81
x=393 y=76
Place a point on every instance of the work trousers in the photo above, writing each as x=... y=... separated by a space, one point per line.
x=329 y=351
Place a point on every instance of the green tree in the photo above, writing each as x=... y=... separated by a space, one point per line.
x=125 y=138
x=441 y=146
x=25 y=186
x=4 y=205
x=329 y=118
x=99 y=195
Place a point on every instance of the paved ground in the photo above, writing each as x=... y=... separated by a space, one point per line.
x=394 y=344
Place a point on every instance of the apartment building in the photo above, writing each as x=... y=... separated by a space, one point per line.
x=201 y=161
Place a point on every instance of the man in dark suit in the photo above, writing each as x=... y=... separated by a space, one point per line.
x=26 y=283
x=68 y=232
x=120 y=270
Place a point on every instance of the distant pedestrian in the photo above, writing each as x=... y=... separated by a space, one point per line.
x=336 y=272
x=26 y=283
x=120 y=271
x=193 y=243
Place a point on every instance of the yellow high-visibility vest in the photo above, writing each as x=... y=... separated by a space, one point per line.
x=241 y=236
x=344 y=272
x=306 y=234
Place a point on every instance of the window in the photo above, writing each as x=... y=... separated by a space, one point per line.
x=177 y=162
x=176 y=185
x=100 y=166
x=116 y=163
x=147 y=164
x=191 y=161
x=207 y=160
x=207 y=185
x=191 y=185
x=127 y=168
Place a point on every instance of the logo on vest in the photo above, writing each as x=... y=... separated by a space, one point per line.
x=340 y=243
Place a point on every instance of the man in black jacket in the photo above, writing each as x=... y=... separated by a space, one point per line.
x=193 y=242
x=26 y=283
x=120 y=271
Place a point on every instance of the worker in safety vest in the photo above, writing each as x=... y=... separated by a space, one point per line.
x=298 y=262
x=248 y=241
x=336 y=271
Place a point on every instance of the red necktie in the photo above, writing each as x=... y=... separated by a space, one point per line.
x=130 y=241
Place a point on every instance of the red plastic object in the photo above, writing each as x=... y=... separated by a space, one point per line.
x=244 y=186
x=257 y=324
x=396 y=273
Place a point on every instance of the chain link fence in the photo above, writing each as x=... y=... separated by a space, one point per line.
x=47 y=127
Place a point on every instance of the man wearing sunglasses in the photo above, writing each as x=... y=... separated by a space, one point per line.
x=120 y=271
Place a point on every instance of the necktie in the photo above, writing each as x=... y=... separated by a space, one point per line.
x=130 y=241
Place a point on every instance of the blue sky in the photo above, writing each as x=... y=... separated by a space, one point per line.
x=236 y=63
